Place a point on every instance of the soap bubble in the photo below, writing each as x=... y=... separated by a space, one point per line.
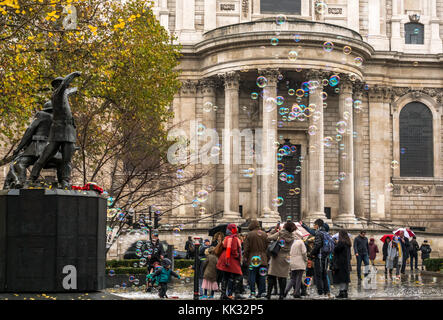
x=263 y=271
x=282 y=176
x=280 y=100
x=312 y=130
x=277 y=202
x=274 y=41
x=321 y=7
x=402 y=150
x=416 y=31
x=280 y=19
x=389 y=187
x=249 y=173
x=254 y=95
x=328 y=141
x=262 y=82
x=342 y=176
x=338 y=137
x=340 y=127
x=297 y=37
x=358 y=61
x=316 y=116
x=394 y=164
x=347 y=49
x=280 y=166
x=256 y=261
x=328 y=46
x=208 y=106
x=291 y=92
x=202 y=210
x=346 y=115
x=200 y=129
x=334 y=80
x=111 y=273
x=300 y=93
x=176 y=231
x=202 y=195
x=324 y=95
x=290 y=179
x=292 y=55
x=281 y=242
x=215 y=151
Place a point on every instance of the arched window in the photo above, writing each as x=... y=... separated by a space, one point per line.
x=416 y=141
x=414 y=33
x=281 y=6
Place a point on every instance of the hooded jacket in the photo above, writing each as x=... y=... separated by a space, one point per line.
x=255 y=244
x=279 y=265
x=231 y=256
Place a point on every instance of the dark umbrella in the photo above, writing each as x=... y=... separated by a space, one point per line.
x=221 y=228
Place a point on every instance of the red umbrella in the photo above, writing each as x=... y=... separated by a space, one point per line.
x=390 y=236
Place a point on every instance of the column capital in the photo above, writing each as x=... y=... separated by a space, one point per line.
x=270 y=74
x=231 y=79
x=380 y=94
x=189 y=87
x=346 y=85
x=316 y=74
x=208 y=85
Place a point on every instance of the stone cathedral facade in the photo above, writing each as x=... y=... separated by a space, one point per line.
x=364 y=134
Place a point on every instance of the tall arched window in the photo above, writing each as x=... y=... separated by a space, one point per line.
x=416 y=141
x=414 y=33
x=281 y=6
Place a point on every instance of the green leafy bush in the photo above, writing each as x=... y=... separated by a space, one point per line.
x=183 y=263
x=127 y=270
x=434 y=264
x=121 y=263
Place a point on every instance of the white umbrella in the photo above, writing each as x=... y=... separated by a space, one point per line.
x=408 y=233
x=301 y=231
x=335 y=236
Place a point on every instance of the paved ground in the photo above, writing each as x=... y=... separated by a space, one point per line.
x=411 y=286
x=414 y=286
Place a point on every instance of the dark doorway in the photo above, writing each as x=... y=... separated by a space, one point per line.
x=289 y=188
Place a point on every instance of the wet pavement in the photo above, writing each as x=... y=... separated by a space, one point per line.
x=410 y=286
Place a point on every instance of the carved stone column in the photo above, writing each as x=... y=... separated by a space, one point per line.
x=379 y=150
x=269 y=179
x=359 y=160
x=346 y=154
x=188 y=93
x=316 y=185
x=231 y=169
x=208 y=87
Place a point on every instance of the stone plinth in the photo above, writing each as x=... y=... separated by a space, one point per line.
x=42 y=231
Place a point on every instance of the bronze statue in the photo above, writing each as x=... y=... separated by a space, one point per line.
x=62 y=135
x=33 y=143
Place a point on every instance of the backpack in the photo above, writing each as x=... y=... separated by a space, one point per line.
x=328 y=244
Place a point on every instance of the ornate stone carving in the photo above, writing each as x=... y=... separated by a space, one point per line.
x=245 y=8
x=189 y=87
x=208 y=85
x=414 y=189
x=377 y=93
x=436 y=93
x=231 y=80
x=315 y=74
x=270 y=74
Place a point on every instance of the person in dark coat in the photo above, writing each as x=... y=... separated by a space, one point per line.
x=230 y=263
x=426 y=250
x=405 y=250
x=255 y=256
x=385 y=254
x=190 y=248
x=361 y=250
x=373 y=250
x=320 y=262
x=341 y=262
x=413 y=252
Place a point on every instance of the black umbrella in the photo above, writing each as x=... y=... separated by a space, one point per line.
x=221 y=228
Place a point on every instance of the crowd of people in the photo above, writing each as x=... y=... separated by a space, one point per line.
x=267 y=259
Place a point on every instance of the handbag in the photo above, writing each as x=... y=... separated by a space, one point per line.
x=274 y=248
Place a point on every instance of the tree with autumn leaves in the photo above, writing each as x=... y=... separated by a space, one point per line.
x=128 y=63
